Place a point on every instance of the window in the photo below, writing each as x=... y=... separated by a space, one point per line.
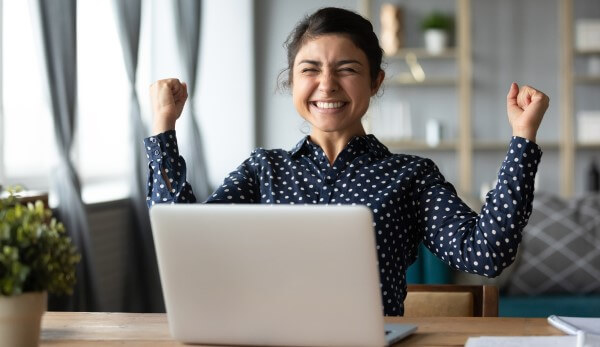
x=28 y=132
x=103 y=133
x=101 y=150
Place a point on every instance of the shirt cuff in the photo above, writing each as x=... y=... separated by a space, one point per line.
x=523 y=156
x=160 y=146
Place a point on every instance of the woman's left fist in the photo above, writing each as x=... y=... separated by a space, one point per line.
x=526 y=107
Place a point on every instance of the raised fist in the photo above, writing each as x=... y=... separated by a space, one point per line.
x=168 y=98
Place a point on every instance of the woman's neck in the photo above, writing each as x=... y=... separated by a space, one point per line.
x=333 y=143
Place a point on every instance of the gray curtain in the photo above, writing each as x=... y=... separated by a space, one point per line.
x=56 y=21
x=187 y=14
x=142 y=282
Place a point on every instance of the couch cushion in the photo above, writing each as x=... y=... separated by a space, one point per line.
x=560 y=251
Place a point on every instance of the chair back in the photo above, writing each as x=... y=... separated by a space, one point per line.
x=449 y=300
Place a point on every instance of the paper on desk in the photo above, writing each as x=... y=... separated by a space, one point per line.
x=582 y=339
x=587 y=340
x=522 y=341
x=571 y=325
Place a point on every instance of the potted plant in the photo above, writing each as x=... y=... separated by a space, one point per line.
x=36 y=257
x=436 y=27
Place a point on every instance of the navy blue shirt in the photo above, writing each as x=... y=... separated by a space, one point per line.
x=410 y=199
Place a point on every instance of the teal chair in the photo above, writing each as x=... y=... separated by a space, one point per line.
x=428 y=269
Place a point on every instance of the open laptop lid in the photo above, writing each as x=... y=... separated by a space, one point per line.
x=269 y=274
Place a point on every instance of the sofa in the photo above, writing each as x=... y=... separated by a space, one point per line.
x=557 y=268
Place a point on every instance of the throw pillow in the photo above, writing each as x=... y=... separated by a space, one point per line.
x=560 y=250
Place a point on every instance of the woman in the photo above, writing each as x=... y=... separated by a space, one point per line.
x=334 y=63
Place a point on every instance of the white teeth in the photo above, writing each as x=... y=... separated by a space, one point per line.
x=321 y=104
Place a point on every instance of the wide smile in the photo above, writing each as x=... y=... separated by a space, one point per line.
x=328 y=106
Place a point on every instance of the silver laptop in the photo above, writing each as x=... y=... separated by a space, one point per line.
x=285 y=275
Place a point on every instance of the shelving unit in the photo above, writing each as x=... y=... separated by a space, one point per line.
x=568 y=144
x=464 y=145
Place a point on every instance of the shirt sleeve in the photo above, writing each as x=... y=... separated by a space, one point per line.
x=241 y=185
x=487 y=242
x=163 y=156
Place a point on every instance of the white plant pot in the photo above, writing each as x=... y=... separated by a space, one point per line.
x=436 y=40
x=20 y=318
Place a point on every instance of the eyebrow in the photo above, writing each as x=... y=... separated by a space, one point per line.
x=339 y=63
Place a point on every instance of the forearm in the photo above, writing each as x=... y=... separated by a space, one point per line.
x=167 y=171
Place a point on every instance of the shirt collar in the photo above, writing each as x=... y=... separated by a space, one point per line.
x=368 y=142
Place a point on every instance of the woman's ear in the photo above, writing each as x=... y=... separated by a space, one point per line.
x=377 y=83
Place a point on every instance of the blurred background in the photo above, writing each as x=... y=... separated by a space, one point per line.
x=74 y=109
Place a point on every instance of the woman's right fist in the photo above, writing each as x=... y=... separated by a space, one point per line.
x=168 y=98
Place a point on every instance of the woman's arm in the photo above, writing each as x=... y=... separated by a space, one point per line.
x=167 y=171
x=487 y=243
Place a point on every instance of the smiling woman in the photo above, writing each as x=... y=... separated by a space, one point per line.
x=334 y=63
x=331 y=90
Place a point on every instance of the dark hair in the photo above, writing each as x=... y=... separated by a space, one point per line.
x=332 y=20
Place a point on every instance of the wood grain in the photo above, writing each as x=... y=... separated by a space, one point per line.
x=144 y=329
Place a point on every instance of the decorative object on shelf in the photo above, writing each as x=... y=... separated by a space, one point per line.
x=593 y=177
x=437 y=28
x=433 y=132
x=587 y=34
x=36 y=257
x=416 y=70
x=392 y=28
x=392 y=121
x=588 y=126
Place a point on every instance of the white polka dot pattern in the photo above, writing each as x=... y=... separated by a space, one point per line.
x=410 y=199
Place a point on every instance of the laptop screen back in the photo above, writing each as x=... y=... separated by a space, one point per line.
x=269 y=274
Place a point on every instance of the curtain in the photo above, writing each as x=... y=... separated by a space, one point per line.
x=187 y=19
x=56 y=23
x=142 y=283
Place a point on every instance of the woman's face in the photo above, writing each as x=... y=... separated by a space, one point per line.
x=331 y=84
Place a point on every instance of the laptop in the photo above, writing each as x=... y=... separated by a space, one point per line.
x=285 y=275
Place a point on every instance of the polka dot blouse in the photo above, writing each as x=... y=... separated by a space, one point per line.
x=410 y=199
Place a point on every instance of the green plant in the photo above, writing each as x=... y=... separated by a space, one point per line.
x=437 y=20
x=35 y=252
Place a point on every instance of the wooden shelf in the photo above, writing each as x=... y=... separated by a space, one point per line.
x=434 y=81
x=422 y=53
x=503 y=145
x=587 y=51
x=416 y=145
x=587 y=79
x=588 y=145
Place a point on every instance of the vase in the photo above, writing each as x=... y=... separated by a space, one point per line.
x=436 y=40
x=20 y=318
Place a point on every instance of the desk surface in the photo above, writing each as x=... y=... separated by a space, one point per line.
x=134 y=329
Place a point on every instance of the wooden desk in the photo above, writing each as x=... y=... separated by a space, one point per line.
x=131 y=329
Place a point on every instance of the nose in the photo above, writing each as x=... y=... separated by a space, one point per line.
x=328 y=82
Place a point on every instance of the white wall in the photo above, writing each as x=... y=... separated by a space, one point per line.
x=226 y=95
